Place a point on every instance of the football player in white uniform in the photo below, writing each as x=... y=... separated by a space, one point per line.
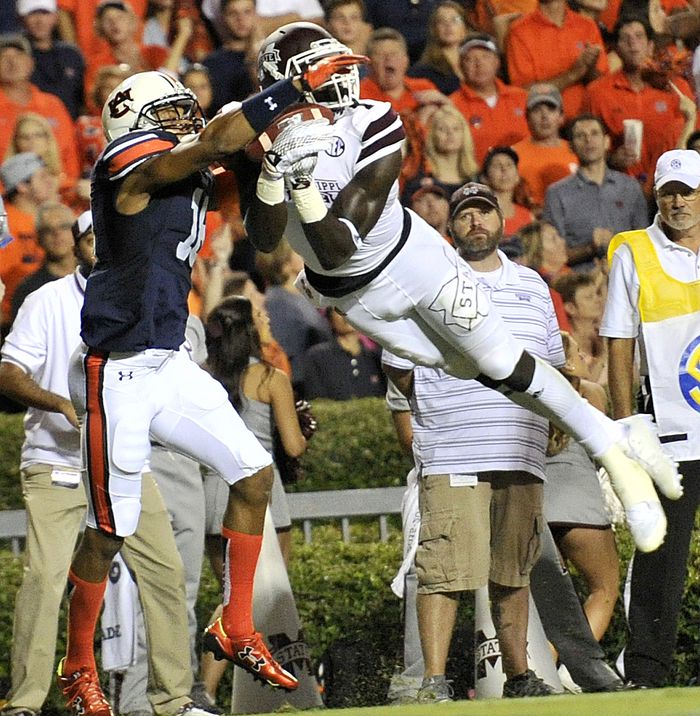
x=398 y=282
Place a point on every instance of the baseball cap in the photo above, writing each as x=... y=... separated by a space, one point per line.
x=481 y=39
x=431 y=189
x=544 y=94
x=681 y=165
x=472 y=192
x=19 y=168
x=82 y=225
x=14 y=39
x=24 y=7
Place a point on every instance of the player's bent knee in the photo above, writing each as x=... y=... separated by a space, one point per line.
x=256 y=488
x=103 y=543
x=521 y=377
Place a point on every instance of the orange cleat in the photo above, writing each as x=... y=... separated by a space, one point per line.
x=83 y=692
x=248 y=652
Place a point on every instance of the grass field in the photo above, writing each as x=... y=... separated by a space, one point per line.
x=656 y=702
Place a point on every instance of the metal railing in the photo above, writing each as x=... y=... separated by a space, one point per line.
x=305 y=507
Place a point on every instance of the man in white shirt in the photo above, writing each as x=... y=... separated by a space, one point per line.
x=481 y=463
x=654 y=303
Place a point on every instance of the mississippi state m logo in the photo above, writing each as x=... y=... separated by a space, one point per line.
x=118 y=106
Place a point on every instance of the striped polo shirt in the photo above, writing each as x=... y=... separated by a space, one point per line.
x=461 y=427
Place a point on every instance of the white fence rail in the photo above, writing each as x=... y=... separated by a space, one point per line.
x=305 y=507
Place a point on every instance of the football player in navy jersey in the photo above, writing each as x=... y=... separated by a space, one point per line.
x=132 y=380
x=397 y=281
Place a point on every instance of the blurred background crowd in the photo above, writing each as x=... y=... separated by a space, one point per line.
x=562 y=108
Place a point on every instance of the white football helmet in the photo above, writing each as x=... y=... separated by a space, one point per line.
x=292 y=48
x=151 y=99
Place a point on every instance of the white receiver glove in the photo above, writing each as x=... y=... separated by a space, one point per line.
x=295 y=150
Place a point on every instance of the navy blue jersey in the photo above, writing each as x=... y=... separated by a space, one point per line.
x=136 y=296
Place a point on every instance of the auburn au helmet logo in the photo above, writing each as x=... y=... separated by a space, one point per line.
x=117 y=105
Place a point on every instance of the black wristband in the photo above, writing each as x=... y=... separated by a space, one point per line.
x=262 y=108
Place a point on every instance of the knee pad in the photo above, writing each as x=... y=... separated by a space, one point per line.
x=519 y=380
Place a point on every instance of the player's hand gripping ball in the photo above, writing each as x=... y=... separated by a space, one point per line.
x=302 y=112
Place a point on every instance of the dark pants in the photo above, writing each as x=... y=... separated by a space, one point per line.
x=656 y=591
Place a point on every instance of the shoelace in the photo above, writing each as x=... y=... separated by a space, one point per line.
x=87 y=686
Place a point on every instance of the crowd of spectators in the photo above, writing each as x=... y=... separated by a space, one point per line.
x=487 y=90
x=562 y=108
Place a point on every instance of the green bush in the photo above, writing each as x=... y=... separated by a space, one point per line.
x=12 y=433
x=342 y=590
x=355 y=446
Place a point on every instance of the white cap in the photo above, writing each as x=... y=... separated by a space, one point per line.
x=82 y=225
x=24 y=7
x=682 y=165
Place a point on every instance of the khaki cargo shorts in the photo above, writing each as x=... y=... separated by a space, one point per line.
x=472 y=535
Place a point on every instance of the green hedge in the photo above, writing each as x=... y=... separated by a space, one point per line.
x=342 y=590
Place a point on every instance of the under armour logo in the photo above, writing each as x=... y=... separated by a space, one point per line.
x=126 y=374
x=271 y=104
x=117 y=105
x=246 y=654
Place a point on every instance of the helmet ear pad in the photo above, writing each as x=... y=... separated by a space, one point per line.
x=136 y=102
x=292 y=48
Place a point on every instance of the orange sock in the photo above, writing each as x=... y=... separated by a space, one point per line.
x=83 y=610
x=241 y=559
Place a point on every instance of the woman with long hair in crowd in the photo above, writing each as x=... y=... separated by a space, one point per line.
x=447 y=30
x=33 y=133
x=448 y=153
x=545 y=250
x=264 y=399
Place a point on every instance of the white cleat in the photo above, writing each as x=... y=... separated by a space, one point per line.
x=642 y=444
x=645 y=516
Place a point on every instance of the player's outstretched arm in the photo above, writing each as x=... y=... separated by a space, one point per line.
x=225 y=134
x=335 y=234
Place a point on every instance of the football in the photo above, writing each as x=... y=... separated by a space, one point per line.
x=301 y=112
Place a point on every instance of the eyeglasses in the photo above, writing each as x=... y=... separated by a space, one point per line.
x=669 y=196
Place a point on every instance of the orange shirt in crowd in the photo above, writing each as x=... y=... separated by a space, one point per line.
x=522 y=217
x=19 y=257
x=538 y=50
x=612 y=98
x=50 y=107
x=541 y=166
x=502 y=7
x=500 y=125
x=560 y=311
x=407 y=102
x=611 y=14
x=152 y=58
x=83 y=15
x=90 y=140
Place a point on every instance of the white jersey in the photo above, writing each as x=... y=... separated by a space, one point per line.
x=364 y=133
x=43 y=337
